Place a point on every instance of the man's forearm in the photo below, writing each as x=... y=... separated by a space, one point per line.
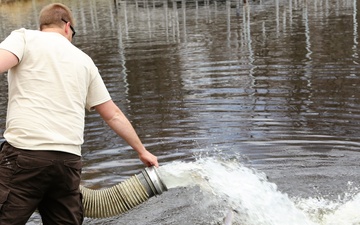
x=115 y=118
x=122 y=127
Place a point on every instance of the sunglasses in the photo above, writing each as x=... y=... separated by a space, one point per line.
x=72 y=29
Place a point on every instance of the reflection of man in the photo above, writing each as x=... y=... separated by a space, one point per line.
x=51 y=82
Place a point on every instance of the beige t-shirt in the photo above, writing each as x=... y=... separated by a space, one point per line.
x=48 y=92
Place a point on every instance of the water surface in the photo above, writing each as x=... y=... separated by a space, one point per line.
x=270 y=86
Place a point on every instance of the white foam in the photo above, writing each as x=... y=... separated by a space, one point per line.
x=255 y=200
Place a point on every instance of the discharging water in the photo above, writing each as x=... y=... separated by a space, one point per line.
x=250 y=198
x=253 y=109
x=230 y=191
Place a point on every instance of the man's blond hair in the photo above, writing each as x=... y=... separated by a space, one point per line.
x=54 y=15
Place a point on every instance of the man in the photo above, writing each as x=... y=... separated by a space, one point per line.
x=51 y=83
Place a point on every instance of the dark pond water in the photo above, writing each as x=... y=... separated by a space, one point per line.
x=227 y=92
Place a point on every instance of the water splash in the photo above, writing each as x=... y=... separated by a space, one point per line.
x=256 y=201
x=344 y=211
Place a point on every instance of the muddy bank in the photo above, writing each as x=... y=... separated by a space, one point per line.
x=186 y=206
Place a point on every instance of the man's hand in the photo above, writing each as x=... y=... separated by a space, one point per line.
x=148 y=159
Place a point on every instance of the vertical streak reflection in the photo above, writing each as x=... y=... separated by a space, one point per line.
x=277 y=17
x=166 y=13
x=248 y=41
x=308 y=72
x=228 y=16
x=183 y=5
x=176 y=30
x=355 y=54
x=122 y=46
x=307 y=33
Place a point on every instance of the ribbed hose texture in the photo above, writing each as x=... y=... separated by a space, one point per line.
x=115 y=200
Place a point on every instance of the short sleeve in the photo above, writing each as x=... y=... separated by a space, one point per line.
x=97 y=92
x=15 y=43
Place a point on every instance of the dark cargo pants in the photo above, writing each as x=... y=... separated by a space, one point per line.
x=44 y=180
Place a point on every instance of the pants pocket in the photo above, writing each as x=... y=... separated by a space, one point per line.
x=73 y=164
x=30 y=172
x=73 y=176
x=28 y=163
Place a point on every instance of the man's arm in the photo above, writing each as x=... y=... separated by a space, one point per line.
x=7 y=60
x=114 y=117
